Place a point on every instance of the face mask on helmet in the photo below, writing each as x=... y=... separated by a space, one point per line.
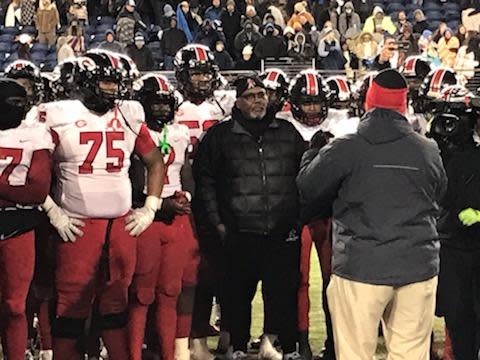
x=13 y=104
x=453 y=131
x=161 y=111
x=309 y=99
x=311 y=111
x=27 y=75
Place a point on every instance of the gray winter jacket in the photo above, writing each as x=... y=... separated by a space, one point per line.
x=382 y=185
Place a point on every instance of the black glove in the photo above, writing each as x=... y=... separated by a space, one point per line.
x=320 y=139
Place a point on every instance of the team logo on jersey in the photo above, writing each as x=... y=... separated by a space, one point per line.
x=80 y=123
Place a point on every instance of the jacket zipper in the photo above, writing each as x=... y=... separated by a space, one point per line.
x=263 y=171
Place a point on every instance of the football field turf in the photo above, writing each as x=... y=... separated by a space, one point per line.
x=317 y=319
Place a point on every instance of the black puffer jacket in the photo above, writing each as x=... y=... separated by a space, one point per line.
x=249 y=184
x=384 y=184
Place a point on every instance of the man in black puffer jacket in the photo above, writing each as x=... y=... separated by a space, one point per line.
x=245 y=171
x=384 y=185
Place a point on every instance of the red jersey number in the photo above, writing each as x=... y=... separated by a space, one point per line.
x=96 y=138
x=168 y=162
x=194 y=124
x=16 y=157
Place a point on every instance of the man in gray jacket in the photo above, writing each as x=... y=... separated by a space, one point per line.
x=382 y=186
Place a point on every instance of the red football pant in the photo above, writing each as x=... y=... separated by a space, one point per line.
x=319 y=232
x=99 y=265
x=17 y=261
x=176 y=273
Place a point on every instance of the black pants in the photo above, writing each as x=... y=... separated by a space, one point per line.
x=458 y=299
x=274 y=261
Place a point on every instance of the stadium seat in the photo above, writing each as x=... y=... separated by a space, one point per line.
x=154 y=45
x=453 y=25
x=452 y=15
x=49 y=65
x=431 y=6
x=412 y=7
x=395 y=7
x=51 y=57
x=5 y=47
x=435 y=16
x=37 y=47
x=394 y=16
x=105 y=20
x=451 y=6
x=28 y=30
x=433 y=24
x=7 y=38
x=101 y=29
x=10 y=30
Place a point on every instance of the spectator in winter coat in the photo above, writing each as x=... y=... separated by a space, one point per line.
x=330 y=53
x=128 y=21
x=363 y=8
x=301 y=50
x=214 y=12
x=231 y=20
x=168 y=13
x=439 y=32
x=78 y=12
x=271 y=45
x=27 y=10
x=467 y=58
x=269 y=19
x=420 y=24
x=222 y=58
x=348 y=19
x=402 y=21
x=326 y=12
x=289 y=35
x=276 y=13
x=248 y=60
x=301 y=15
x=251 y=15
x=110 y=43
x=188 y=22
x=172 y=40
x=140 y=54
x=13 y=15
x=207 y=35
x=248 y=36
x=64 y=50
x=76 y=39
x=47 y=20
x=379 y=22
x=447 y=48
x=366 y=48
x=385 y=243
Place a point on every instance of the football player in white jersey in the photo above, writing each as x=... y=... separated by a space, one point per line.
x=167 y=253
x=92 y=198
x=204 y=104
x=318 y=113
x=25 y=174
x=28 y=75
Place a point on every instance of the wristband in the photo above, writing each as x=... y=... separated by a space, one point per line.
x=153 y=203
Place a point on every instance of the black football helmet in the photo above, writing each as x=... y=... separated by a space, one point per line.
x=341 y=92
x=65 y=82
x=359 y=93
x=130 y=75
x=13 y=103
x=276 y=83
x=431 y=88
x=93 y=69
x=191 y=60
x=308 y=87
x=28 y=75
x=156 y=90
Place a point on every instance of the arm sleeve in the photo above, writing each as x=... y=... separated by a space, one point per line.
x=321 y=49
x=37 y=184
x=321 y=175
x=144 y=142
x=205 y=171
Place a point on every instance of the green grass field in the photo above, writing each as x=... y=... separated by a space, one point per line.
x=317 y=320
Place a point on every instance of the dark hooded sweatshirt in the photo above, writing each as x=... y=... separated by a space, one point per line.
x=382 y=185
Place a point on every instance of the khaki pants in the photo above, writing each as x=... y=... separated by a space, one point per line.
x=406 y=313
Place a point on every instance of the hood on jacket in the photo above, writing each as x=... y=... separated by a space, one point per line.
x=168 y=11
x=364 y=35
x=49 y=7
x=288 y=30
x=377 y=10
x=300 y=39
x=348 y=5
x=380 y=126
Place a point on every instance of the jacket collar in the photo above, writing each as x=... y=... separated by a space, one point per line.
x=237 y=128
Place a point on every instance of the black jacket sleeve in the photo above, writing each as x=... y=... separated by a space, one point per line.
x=205 y=169
x=321 y=175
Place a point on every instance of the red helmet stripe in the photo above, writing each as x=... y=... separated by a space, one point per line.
x=312 y=84
x=342 y=85
x=161 y=83
x=114 y=61
x=410 y=65
x=272 y=76
x=437 y=78
x=201 y=53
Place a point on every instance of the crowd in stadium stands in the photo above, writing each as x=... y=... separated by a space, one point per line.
x=340 y=35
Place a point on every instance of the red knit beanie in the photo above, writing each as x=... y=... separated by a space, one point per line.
x=388 y=91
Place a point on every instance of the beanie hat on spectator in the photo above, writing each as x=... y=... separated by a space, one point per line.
x=168 y=11
x=247 y=50
x=139 y=37
x=348 y=5
x=388 y=91
x=377 y=9
x=131 y=3
x=245 y=82
x=232 y=2
x=288 y=30
x=109 y=32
